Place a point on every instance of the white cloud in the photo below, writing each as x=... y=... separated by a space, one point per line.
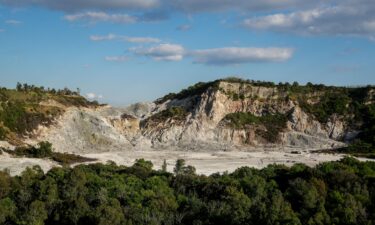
x=93 y=96
x=94 y=17
x=308 y=17
x=77 y=5
x=349 y=17
x=116 y=58
x=13 y=22
x=110 y=37
x=161 y=52
x=193 y=6
x=215 y=56
x=190 y=6
x=236 y=55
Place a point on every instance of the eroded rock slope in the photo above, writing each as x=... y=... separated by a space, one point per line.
x=221 y=115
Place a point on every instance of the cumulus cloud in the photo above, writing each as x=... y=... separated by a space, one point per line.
x=93 y=96
x=156 y=9
x=94 y=17
x=111 y=37
x=77 y=5
x=237 y=55
x=13 y=22
x=349 y=17
x=116 y=58
x=161 y=52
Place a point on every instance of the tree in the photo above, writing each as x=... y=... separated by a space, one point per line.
x=164 y=166
x=189 y=170
x=19 y=86
x=180 y=164
x=44 y=150
x=144 y=164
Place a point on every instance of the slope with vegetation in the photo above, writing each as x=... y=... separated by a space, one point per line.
x=22 y=110
x=332 y=193
x=253 y=104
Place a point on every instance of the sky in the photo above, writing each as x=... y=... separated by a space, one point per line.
x=125 y=51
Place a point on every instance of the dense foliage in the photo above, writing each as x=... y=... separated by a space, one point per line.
x=273 y=123
x=332 y=193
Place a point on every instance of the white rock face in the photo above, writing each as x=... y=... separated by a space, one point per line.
x=82 y=130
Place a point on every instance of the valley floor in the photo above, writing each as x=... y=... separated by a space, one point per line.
x=205 y=162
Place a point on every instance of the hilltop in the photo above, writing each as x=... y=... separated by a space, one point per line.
x=228 y=119
x=225 y=114
x=24 y=109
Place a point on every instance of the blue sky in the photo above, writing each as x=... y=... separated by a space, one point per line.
x=138 y=50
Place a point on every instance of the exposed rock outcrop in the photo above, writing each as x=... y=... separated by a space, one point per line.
x=200 y=128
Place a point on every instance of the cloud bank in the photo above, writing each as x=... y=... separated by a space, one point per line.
x=348 y=18
x=236 y=55
x=111 y=37
x=215 y=56
x=307 y=17
x=78 y=5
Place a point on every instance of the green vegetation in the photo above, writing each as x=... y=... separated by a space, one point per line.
x=329 y=104
x=355 y=105
x=196 y=89
x=21 y=111
x=176 y=113
x=332 y=193
x=44 y=150
x=273 y=124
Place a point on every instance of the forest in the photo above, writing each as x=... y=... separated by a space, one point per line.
x=341 y=192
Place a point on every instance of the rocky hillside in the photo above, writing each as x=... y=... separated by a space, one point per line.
x=27 y=108
x=220 y=115
x=237 y=113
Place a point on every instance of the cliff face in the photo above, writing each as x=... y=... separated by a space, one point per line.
x=203 y=127
x=221 y=116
